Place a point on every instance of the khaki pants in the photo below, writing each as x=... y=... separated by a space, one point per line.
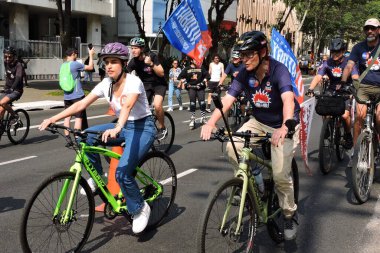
x=281 y=163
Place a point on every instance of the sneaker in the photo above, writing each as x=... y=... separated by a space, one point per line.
x=192 y=123
x=290 y=227
x=169 y=109
x=140 y=221
x=203 y=120
x=188 y=108
x=348 y=142
x=162 y=133
x=180 y=108
x=208 y=110
x=13 y=120
x=92 y=185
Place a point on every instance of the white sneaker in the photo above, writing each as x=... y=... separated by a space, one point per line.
x=188 y=108
x=180 y=108
x=169 y=109
x=92 y=185
x=140 y=221
x=192 y=123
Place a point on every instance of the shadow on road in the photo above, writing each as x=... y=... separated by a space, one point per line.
x=10 y=204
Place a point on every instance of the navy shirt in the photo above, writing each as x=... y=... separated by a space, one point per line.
x=266 y=97
x=335 y=71
x=232 y=68
x=362 y=54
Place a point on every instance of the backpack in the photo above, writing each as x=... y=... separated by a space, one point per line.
x=66 y=80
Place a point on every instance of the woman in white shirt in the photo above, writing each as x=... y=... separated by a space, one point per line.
x=135 y=126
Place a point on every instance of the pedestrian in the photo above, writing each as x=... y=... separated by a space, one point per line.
x=126 y=95
x=174 y=86
x=101 y=67
x=265 y=77
x=215 y=70
x=77 y=93
x=13 y=88
x=24 y=65
x=149 y=69
x=195 y=78
x=88 y=73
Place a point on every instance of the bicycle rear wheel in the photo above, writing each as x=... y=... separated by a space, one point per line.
x=338 y=138
x=18 y=131
x=326 y=146
x=160 y=167
x=211 y=237
x=164 y=144
x=41 y=231
x=363 y=167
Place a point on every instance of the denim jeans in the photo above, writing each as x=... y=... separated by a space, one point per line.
x=138 y=136
x=173 y=88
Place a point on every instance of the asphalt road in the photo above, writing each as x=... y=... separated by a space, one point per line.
x=330 y=220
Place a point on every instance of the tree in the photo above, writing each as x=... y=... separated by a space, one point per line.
x=170 y=6
x=64 y=19
x=140 y=22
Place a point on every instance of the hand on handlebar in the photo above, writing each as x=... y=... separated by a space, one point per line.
x=45 y=124
x=206 y=131
x=310 y=93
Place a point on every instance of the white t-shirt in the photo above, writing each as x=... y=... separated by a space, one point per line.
x=216 y=71
x=133 y=85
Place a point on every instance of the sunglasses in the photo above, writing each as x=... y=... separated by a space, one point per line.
x=248 y=55
x=370 y=27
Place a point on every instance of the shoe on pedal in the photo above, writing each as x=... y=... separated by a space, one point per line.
x=140 y=221
x=13 y=120
x=348 y=142
x=162 y=133
x=290 y=227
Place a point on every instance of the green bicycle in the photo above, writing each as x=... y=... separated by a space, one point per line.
x=237 y=207
x=58 y=218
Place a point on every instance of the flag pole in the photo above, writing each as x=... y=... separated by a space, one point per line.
x=158 y=33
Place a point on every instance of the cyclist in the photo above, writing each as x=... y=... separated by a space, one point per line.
x=126 y=95
x=369 y=89
x=14 y=86
x=268 y=84
x=194 y=79
x=149 y=69
x=333 y=68
x=216 y=70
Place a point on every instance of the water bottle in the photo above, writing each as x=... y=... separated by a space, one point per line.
x=256 y=171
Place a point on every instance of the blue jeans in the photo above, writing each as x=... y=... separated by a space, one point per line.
x=138 y=136
x=173 y=88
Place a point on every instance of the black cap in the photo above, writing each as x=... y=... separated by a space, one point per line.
x=70 y=51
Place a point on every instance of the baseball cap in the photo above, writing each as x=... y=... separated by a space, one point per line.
x=372 y=22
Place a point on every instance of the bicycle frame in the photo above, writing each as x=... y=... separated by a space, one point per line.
x=82 y=159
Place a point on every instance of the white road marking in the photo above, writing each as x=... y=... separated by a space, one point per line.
x=18 y=160
x=182 y=174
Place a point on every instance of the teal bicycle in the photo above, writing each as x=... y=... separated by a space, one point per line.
x=59 y=218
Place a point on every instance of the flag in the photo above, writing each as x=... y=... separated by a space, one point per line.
x=282 y=52
x=186 y=29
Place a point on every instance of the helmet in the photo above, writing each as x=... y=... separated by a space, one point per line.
x=235 y=54
x=137 y=41
x=115 y=49
x=9 y=50
x=337 y=45
x=254 y=40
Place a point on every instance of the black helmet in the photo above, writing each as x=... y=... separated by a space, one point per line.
x=337 y=45
x=137 y=42
x=254 y=40
x=9 y=50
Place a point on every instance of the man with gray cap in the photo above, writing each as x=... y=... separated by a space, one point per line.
x=369 y=89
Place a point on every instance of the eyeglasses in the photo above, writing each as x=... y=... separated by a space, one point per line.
x=248 y=55
x=370 y=27
x=8 y=56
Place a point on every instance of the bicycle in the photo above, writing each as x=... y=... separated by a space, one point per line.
x=17 y=128
x=333 y=129
x=366 y=152
x=59 y=218
x=237 y=207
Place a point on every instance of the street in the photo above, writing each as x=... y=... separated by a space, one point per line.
x=330 y=220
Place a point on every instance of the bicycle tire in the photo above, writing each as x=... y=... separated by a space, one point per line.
x=275 y=225
x=362 y=169
x=326 y=146
x=60 y=233
x=166 y=143
x=161 y=168
x=21 y=128
x=209 y=237
x=338 y=139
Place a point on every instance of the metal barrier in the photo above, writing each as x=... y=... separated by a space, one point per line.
x=36 y=48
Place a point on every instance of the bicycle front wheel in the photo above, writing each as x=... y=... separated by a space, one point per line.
x=18 y=131
x=223 y=205
x=164 y=143
x=363 y=167
x=326 y=146
x=338 y=138
x=42 y=231
x=160 y=168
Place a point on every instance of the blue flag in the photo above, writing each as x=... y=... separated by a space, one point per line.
x=186 y=30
